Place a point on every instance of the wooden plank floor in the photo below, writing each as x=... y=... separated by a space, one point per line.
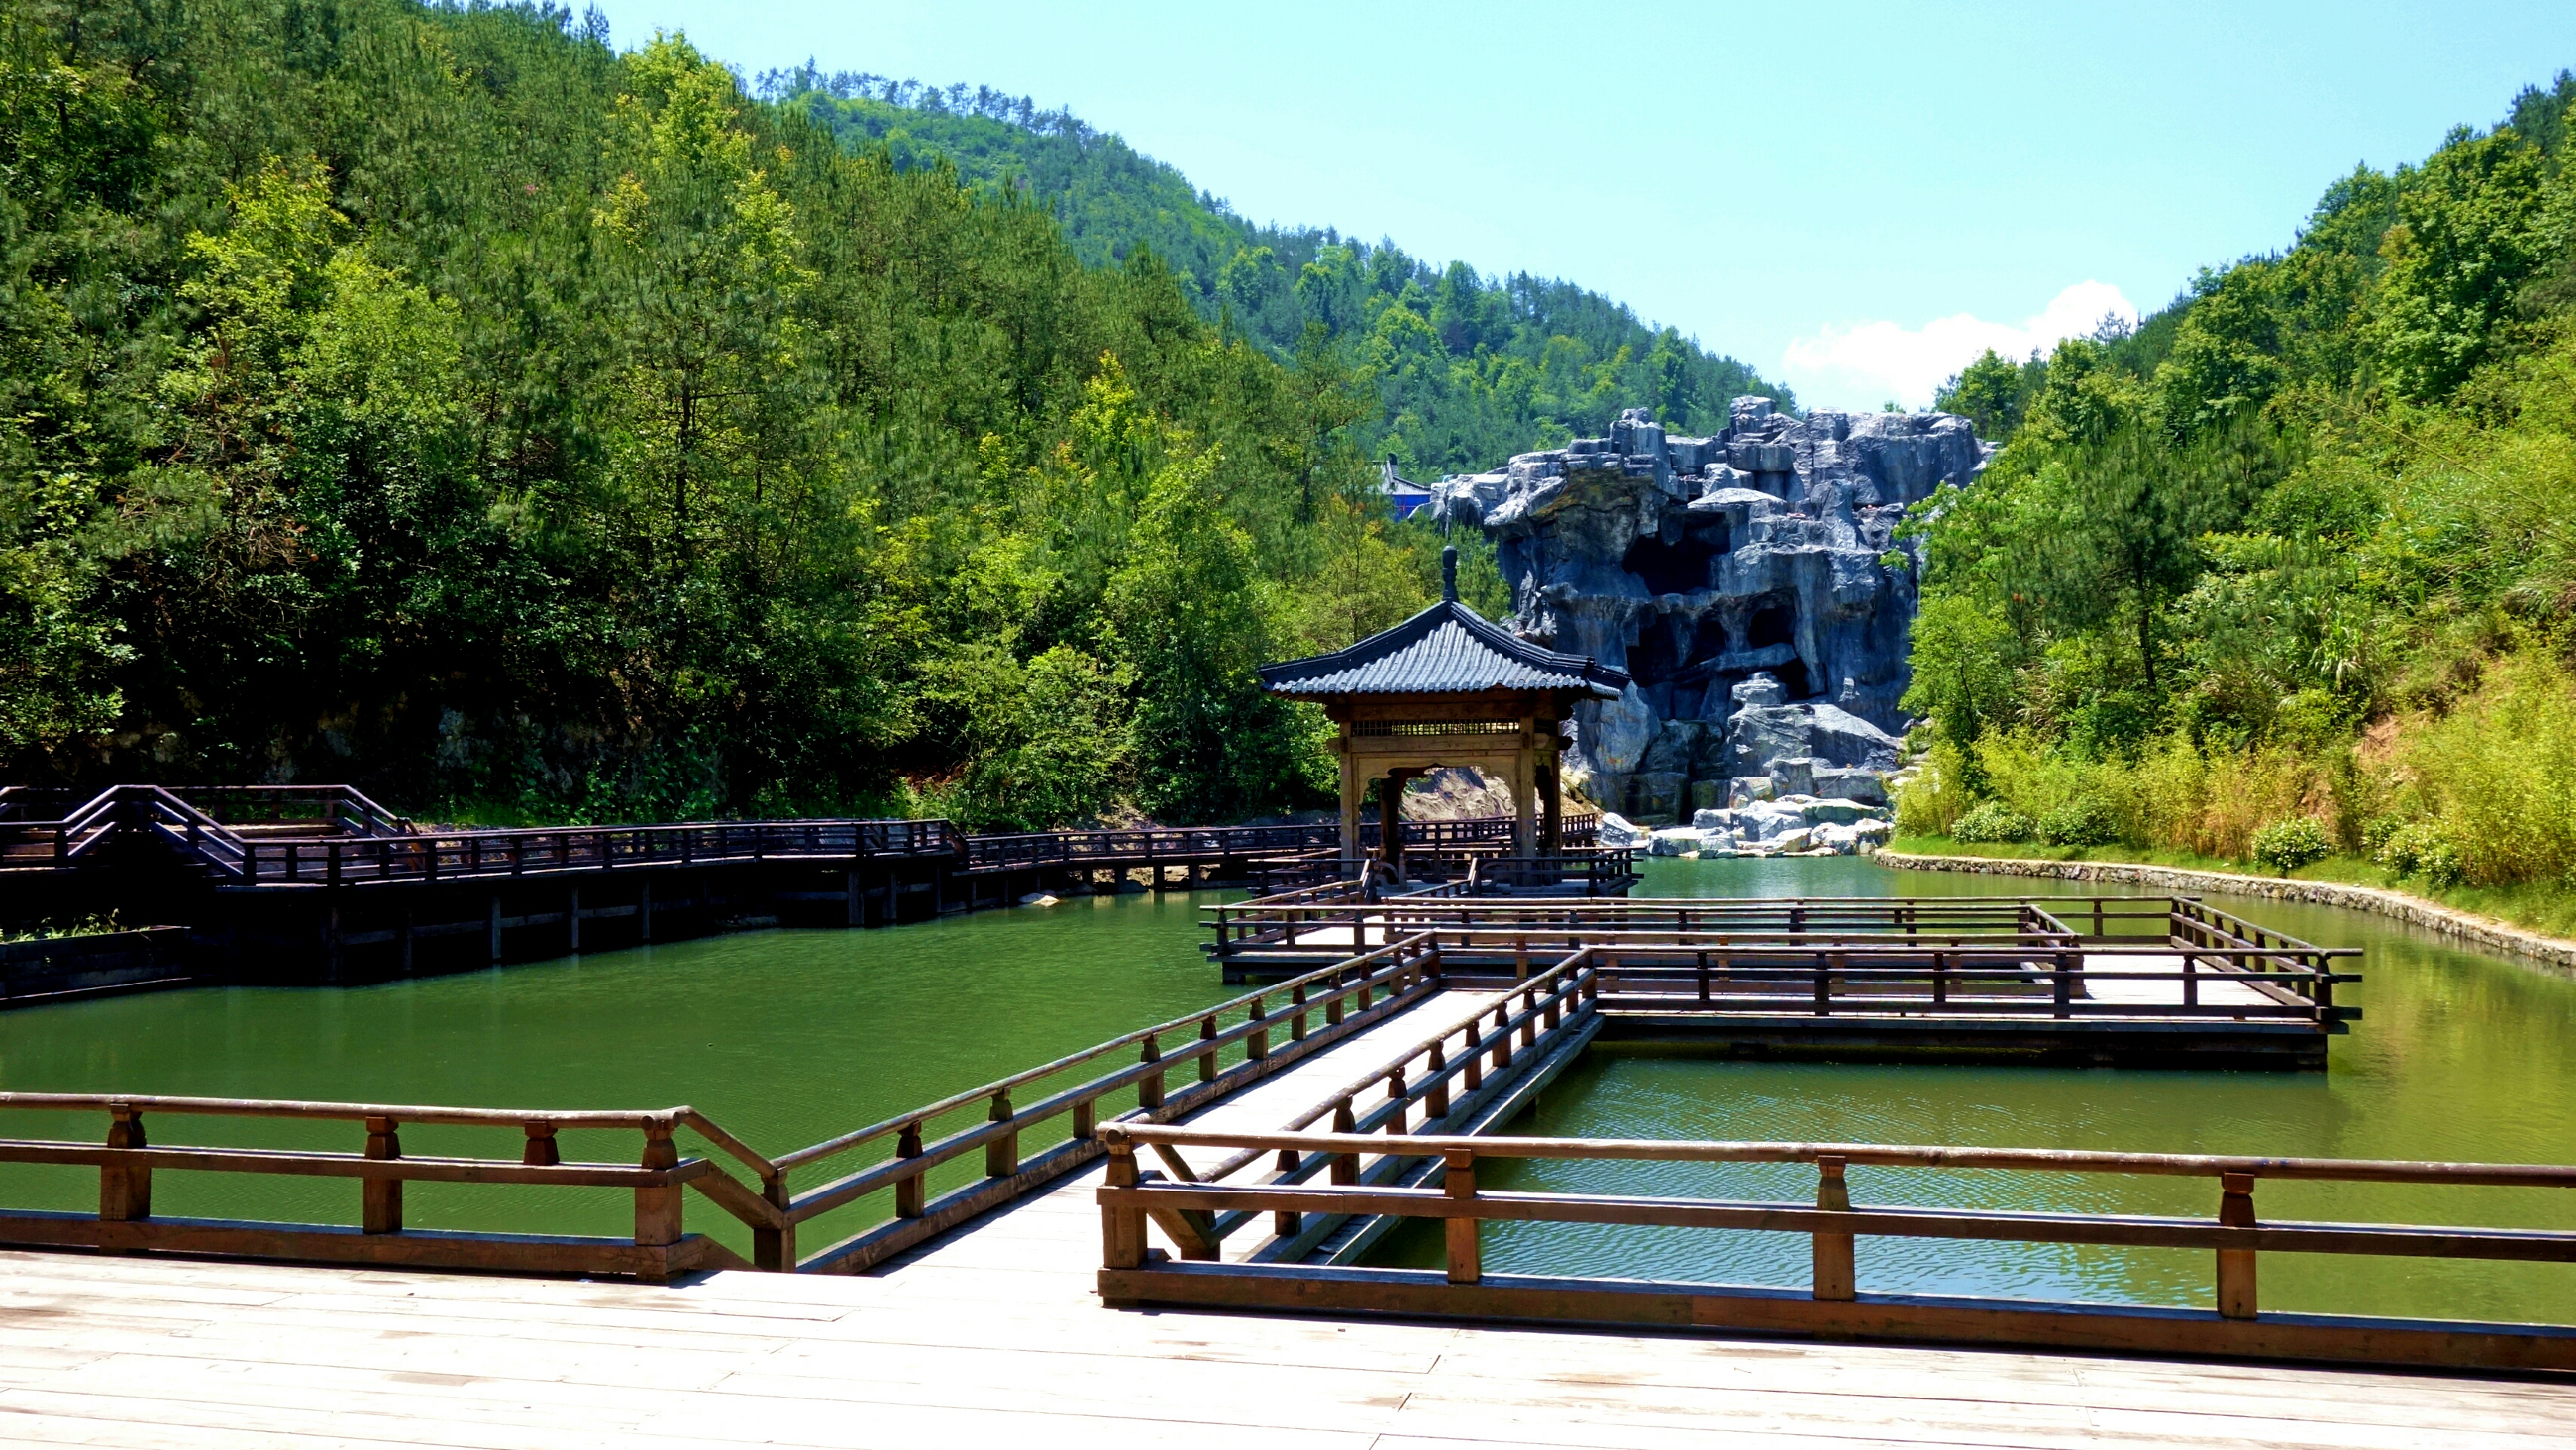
x=994 y=1338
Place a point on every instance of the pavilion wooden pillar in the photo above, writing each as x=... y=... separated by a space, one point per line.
x=1390 y=819
x=1551 y=801
x=1525 y=790
x=1352 y=785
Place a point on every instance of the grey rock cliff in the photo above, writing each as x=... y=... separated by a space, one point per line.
x=1738 y=579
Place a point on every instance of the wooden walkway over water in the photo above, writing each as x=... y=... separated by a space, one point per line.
x=321 y=884
x=996 y=1335
x=1189 y=1267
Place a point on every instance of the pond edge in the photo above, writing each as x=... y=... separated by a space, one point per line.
x=2484 y=932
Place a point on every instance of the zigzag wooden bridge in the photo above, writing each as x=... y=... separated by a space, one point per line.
x=941 y=1273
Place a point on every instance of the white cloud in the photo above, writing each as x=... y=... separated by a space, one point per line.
x=1871 y=363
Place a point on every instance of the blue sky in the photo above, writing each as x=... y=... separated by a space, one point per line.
x=1851 y=197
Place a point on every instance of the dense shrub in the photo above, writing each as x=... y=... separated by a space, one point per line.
x=1936 y=797
x=2285 y=846
x=2422 y=849
x=1993 y=821
x=2083 y=821
x=2497 y=774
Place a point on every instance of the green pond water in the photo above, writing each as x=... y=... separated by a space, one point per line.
x=784 y=1037
x=787 y=1037
x=2459 y=1056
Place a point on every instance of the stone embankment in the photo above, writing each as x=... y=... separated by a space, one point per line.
x=2481 y=932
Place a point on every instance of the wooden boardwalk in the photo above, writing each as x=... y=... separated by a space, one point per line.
x=995 y=1336
x=951 y=1353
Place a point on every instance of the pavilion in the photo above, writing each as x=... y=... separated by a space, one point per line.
x=1448 y=687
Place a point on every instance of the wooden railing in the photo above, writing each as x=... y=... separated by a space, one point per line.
x=127 y=1162
x=86 y=829
x=1440 y=1082
x=1833 y=1302
x=1145 y=847
x=1304 y=1015
x=1218 y=1049
x=1820 y=957
x=335 y=861
x=335 y=835
x=329 y=809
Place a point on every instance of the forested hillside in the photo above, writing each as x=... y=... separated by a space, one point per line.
x=1462 y=370
x=2290 y=568
x=441 y=400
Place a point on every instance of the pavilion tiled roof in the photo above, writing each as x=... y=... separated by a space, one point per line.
x=1447 y=649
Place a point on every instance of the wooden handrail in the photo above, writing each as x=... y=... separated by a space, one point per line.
x=346 y=1112
x=1197 y=1215
x=127 y=1161
x=846 y=1141
x=1891 y=1155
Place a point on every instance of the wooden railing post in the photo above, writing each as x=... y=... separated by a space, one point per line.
x=1346 y=1166
x=1207 y=1049
x=1834 y=1276
x=1122 y=1230
x=657 y=1210
x=2063 y=978
x=542 y=1151
x=380 y=1199
x=1286 y=1222
x=2236 y=1266
x=1149 y=1091
x=1002 y=1155
x=125 y=1190
x=908 y=1190
x=1458 y=1181
x=774 y=1249
x=1257 y=1046
x=1333 y=1002
x=1503 y=1035
x=1297 y=1024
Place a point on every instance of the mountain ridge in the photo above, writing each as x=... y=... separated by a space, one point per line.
x=1467 y=369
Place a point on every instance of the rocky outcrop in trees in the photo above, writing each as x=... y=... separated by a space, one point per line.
x=1750 y=583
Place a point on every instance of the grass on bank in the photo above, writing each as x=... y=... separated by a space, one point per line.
x=2543 y=907
x=48 y=929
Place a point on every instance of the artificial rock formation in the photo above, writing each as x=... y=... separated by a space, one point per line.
x=1751 y=585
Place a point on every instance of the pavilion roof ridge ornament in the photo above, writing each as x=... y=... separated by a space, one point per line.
x=1447 y=649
